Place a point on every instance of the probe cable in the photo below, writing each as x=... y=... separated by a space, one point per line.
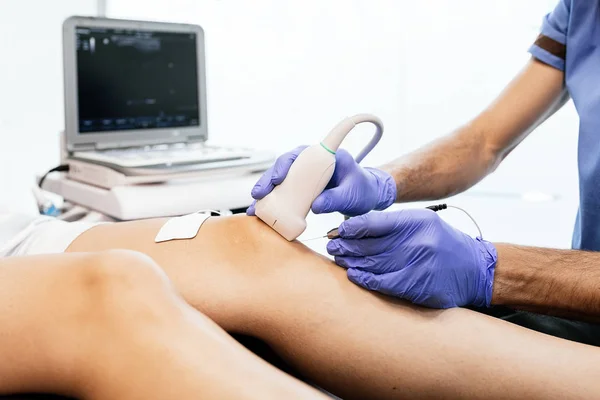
x=60 y=168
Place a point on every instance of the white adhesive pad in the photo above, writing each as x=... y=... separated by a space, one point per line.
x=184 y=227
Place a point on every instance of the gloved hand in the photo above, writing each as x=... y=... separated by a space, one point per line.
x=415 y=255
x=353 y=190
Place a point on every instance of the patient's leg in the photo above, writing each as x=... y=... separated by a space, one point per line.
x=110 y=326
x=352 y=342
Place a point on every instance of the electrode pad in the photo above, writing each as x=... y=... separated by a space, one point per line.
x=184 y=227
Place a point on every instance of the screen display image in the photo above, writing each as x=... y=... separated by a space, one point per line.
x=136 y=80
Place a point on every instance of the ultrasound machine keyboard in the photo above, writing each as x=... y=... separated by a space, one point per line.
x=164 y=155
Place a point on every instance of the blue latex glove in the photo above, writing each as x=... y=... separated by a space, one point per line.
x=353 y=190
x=415 y=255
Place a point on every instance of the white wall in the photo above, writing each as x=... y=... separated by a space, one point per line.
x=31 y=94
x=285 y=71
x=282 y=72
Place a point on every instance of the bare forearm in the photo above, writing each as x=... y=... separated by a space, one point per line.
x=444 y=167
x=458 y=161
x=557 y=282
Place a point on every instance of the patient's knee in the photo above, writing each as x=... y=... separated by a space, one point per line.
x=122 y=287
x=122 y=269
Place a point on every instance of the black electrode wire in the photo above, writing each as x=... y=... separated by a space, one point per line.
x=334 y=233
x=441 y=207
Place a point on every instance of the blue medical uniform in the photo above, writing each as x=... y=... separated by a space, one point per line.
x=570 y=42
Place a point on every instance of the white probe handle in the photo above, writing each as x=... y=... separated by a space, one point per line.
x=286 y=207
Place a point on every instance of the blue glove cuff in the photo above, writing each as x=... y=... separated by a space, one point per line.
x=386 y=188
x=489 y=260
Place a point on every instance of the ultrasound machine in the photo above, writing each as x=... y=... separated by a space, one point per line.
x=135 y=105
x=135 y=143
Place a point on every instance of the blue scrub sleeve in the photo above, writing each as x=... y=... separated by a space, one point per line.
x=551 y=45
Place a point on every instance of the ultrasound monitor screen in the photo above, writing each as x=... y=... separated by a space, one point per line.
x=130 y=79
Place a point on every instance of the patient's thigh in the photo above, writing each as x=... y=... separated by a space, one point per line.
x=359 y=344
